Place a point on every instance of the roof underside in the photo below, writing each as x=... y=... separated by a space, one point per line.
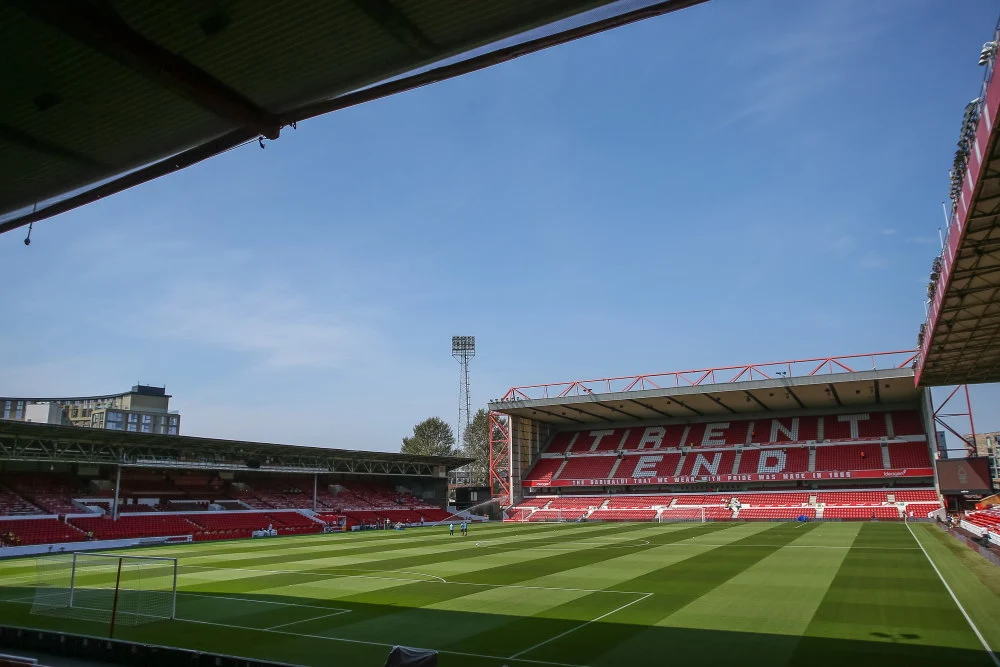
x=960 y=343
x=21 y=441
x=964 y=344
x=94 y=90
x=838 y=390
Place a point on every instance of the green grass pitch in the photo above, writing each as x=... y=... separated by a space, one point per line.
x=576 y=594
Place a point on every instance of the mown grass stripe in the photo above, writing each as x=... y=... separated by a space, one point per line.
x=893 y=604
x=675 y=586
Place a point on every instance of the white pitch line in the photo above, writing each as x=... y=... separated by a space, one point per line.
x=283 y=604
x=370 y=643
x=306 y=620
x=422 y=581
x=979 y=635
x=574 y=629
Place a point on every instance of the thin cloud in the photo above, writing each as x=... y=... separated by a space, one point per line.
x=871 y=262
x=783 y=71
x=277 y=328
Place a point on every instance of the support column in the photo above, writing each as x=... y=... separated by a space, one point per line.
x=118 y=486
x=315 y=487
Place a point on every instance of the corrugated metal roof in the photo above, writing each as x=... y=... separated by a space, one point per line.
x=87 y=95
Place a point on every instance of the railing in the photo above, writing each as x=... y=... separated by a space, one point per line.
x=989 y=103
x=708 y=376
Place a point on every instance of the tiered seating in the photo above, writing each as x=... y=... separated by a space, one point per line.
x=772 y=499
x=915 y=496
x=907 y=423
x=188 y=506
x=556 y=515
x=700 y=499
x=293 y=523
x=849 y=457
x=51 y=492
x=104 y=528
x=709 y=463
x=572 y=503
x=716 y=513
x=665 y=466
x=921 y=510
x=692 y=513
x=12 y=504
x=778 y=430
x=535 y=502
x=56 y=503
x=587 y=467
x=878 y=512
x=37 y=531
x=435 y=514
x=638 y=502
x=796 y=460
x=544 y=470
x=988 y=519
x=851 y=497
x=622 y=515
x=775 y=513
x=518 y=513
x=909 y=455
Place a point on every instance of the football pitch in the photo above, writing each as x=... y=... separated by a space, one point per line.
x=581 y=594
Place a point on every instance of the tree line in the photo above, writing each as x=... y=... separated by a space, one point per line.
x=435 y=437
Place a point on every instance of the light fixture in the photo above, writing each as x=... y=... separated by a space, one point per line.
x=989 y=49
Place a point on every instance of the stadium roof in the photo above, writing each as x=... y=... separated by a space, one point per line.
x=20 y=441
x=960 y=342
x=100 y=96
x=814 y=384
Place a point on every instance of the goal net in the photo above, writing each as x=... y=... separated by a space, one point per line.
x=107 y=588
x=688 y=514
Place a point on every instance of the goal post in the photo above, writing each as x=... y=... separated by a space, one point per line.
x=681 y=514
x=117 y=589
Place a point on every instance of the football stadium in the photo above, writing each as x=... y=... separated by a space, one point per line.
x=803 y=512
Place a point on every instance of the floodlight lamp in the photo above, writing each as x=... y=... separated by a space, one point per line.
x=463 y=344
x=989 y=49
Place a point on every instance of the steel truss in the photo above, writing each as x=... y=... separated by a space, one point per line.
x=500 y=461
x=86 y=448
x=940 y=418
x=722 y=375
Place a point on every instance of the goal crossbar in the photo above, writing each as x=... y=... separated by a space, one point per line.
x=122 y=589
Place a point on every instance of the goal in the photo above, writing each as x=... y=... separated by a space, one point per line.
x=108 y=588
x=688 y=514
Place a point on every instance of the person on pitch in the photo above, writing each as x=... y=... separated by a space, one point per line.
x=451 y=529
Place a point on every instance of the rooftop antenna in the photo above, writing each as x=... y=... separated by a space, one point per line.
x=463 y=349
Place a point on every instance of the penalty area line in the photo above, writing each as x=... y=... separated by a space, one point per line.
x=979 y=635
x=578 y=627
x=371 y=643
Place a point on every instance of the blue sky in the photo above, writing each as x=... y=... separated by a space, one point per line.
x=738 y=182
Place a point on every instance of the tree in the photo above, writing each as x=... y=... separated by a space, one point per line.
x=431 y=437
x=477 y=447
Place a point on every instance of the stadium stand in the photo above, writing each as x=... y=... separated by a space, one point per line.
x=753 y=461
x=909 y=455
x=587 y=467
x=38 y=531
x=12 y=504
x=775 y=513
x=104 y=528
x=623 y=515
x=849 y=457
x=873 y=512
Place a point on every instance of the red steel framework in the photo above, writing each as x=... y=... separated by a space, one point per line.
x=500 y=458
x=501 y=461
x=940 y=417
x=720 y=375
